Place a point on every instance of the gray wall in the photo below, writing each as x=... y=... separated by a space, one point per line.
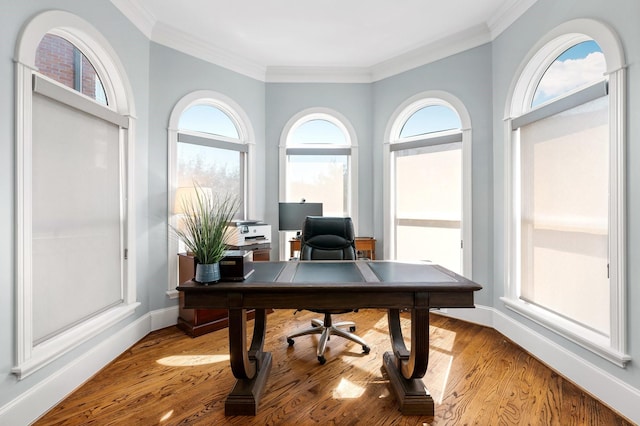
x=509 y=50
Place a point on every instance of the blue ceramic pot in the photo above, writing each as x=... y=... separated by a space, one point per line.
x=208 y=273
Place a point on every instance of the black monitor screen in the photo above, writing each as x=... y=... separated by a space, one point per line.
x=292 y=215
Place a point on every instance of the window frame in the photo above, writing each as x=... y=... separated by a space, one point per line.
x=393 y=142
x=518 y=105
x=350 y=149
x=30 y=358
x=245 y=144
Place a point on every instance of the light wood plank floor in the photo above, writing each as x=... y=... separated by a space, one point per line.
x=475 y=375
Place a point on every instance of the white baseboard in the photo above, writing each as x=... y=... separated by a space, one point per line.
x=36 y=401
x=163 y=318
x=612 y=391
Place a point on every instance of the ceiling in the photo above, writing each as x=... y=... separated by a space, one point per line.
x=302 y=40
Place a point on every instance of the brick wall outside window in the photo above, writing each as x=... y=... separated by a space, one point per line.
x=55 y=58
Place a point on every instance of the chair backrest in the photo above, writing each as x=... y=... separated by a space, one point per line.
x=328 y=238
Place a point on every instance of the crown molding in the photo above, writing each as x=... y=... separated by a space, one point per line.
x=508 y=13
x=176 y=39
x=445 y=47
x=202 y=49
x=140 y=16
x=456 y=43
x=302 y=74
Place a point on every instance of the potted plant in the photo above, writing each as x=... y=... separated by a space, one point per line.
x=202 y=230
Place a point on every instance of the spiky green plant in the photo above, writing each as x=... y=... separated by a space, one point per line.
x=204 y=224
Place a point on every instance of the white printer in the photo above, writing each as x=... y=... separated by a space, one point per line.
x=247 y=232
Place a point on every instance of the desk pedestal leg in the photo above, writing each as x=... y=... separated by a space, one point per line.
x=251 y=367
x=405 y=369
x=412 y=395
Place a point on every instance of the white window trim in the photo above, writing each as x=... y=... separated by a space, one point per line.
x=334 y=117
x=520 y=95
x=246 y=137
x=392 y=137
x=30 y=358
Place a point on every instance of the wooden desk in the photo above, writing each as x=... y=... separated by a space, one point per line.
x=366 y=245
x=325 y=285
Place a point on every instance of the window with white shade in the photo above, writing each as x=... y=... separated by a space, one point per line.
x=73 y=155
x=429 y=190
x=566 y=196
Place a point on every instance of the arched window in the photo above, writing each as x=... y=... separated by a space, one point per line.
x=210 y=143
x=210 y=152
x=62 y=61
x=579 y=66
x=73 y=151
x=566 y=194
x=428 y=191
x=432 y=118
x=318 y=154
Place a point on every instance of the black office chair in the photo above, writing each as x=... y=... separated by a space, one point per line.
x=328 y=238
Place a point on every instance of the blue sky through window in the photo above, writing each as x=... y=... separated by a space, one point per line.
x=318 y=132
x=576 y=67
x=208 y=119
x=430 y=119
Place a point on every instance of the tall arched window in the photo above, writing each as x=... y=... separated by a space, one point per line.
x=318 y=157
x=566 y=190
x=74 y=146
x=210 y=143
x=428 y=192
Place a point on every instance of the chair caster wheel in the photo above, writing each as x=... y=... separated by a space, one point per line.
x=366 y=349
x=352 y=328
x=322 y=360
x=290 y=342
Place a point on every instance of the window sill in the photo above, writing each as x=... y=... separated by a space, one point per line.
x=50 y=350
x=583 y=337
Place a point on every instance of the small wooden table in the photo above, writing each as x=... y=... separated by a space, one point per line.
x=334 y=285
x=366 y=245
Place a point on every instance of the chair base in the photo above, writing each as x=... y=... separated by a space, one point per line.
x=325 y=329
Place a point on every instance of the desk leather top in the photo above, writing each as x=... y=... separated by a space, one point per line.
x=361 y=275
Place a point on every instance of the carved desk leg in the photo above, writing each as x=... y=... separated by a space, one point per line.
x=405 y=369
x=251 y=367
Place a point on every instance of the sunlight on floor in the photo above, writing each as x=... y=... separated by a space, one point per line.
x=347 y=390
x=442 y=339
x=167 y=416
x=191 y=360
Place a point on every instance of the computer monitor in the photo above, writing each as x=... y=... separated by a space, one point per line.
x=292 y=215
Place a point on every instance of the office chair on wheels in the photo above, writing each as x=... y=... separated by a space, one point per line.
x=328 y=238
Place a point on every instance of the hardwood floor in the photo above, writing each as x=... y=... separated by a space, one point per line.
x=475 y=376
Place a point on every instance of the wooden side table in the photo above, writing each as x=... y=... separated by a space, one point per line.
x=196 y=322
x=364 y=245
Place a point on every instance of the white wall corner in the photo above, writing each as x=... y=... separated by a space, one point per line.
x=507 y=15
x=139 y=16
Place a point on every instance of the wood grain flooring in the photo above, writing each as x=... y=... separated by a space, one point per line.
x=476 y=377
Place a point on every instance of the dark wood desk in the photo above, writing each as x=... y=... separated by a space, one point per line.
x=321 y=285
